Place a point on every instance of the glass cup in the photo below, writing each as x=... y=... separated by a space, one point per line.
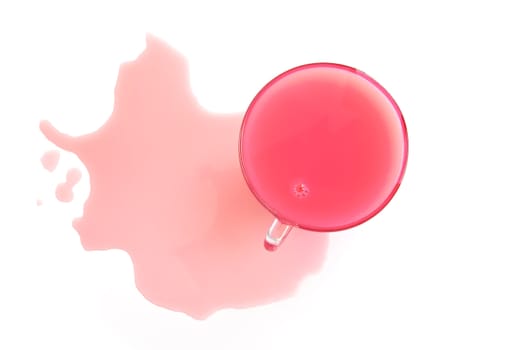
x=323 y=147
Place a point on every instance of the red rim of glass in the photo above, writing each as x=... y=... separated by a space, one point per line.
x=405 y=151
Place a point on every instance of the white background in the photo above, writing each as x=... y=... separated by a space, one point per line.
x=442 y=267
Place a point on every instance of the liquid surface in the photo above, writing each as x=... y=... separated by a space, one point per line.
x=323 y=147
x=167 y=188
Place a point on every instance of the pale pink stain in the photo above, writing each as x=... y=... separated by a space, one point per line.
x=39 y=202
x=64 y=191
x=167 y=188
x=50 y=160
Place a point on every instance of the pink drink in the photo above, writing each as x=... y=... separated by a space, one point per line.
x=323 y=147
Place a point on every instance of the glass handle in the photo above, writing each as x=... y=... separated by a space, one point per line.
x=277 y=232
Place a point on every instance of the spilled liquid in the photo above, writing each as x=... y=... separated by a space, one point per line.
x=166 y=187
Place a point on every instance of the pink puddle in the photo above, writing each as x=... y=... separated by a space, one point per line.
x=50 y=160
x=166 y=187
x=64 y=191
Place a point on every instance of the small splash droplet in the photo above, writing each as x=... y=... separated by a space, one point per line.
x=50 y=160
x=301 y=190
x=64 y=191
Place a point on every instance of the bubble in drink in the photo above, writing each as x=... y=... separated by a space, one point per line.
x=301 y=190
